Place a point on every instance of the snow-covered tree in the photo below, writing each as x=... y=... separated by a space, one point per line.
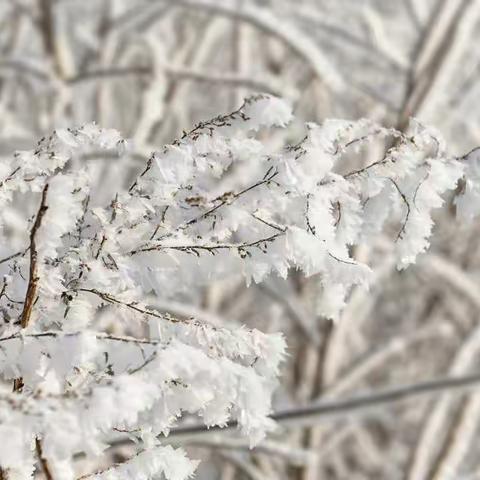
x=218 y=202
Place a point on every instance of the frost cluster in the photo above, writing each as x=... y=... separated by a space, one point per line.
x=215 y=203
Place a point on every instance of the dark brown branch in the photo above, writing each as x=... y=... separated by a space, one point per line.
x=9 y=177
x=30 y=298
x=466 y=155
x=407 y=204
x=31 y=295
x=43 y=461
x=14 y=255
x=32 y=288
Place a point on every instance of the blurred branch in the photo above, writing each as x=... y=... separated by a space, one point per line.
x=296 y=311
x=227 y=79
x=451 y=21
x=24 y=68
x=377 y=359
x=433 y=434
x=48 y=33
x=265 y=21
x=295 y=456
x=342 y=32
x=412 y=9
x=234 y=80
x=247 y=468
x=470 y=82
x=45 y=8
x=460 y=438
x=453 y=275
x=358 y=310
x=305 y=416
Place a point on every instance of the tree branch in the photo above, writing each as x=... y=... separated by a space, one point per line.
x=226 y=79
x=32 y=288
x=43 y=461
x=271 y=24
x=30 y=298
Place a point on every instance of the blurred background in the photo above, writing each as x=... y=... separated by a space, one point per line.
x=152 y=68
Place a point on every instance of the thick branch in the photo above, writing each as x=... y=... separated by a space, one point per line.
x=31 y=295
x=30 y=299
x=32 y=288
x=43 y=461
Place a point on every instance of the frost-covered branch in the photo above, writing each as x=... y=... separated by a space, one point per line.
x=94 y=355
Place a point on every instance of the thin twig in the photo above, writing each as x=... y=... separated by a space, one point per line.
x=14 y=255
x=98 y=336
x=193 y=248
x=132 y=305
